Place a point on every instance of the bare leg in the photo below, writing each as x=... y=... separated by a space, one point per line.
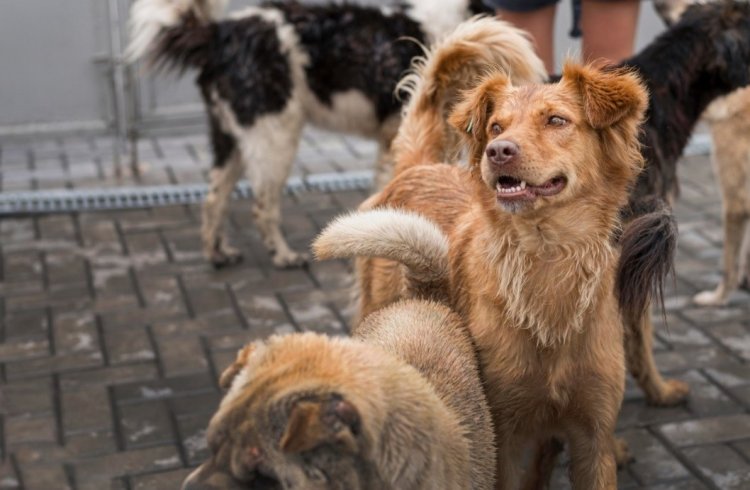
x=540 y=23
x=223 y=179
x=608 y=29
x=640 y=360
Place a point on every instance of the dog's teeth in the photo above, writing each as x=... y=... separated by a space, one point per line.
x=523 y=184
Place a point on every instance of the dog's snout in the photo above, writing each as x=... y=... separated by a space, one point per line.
x=502 y=152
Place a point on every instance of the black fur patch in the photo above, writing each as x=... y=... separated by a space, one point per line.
x=223 y=144
x=704 y=56
x=354 y=47
x=248 y=68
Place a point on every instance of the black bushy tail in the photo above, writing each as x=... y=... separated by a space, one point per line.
x=648 y=245
x=173 y=34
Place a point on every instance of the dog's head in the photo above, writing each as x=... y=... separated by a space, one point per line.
x=721 y=29
x=283 y=422
x=538 y=145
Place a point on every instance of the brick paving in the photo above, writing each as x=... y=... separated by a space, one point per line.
x=87 y=161
x=114 y=330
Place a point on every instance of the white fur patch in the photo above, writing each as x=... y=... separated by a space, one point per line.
x=438 y=19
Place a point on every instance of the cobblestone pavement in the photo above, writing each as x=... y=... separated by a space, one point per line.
x=114 y=330
x=87 y=161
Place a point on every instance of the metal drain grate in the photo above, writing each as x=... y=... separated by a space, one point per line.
x=64 y=201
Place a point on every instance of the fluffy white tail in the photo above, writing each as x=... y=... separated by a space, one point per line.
x=402 y=236
x=150 y=18
x=453 y=65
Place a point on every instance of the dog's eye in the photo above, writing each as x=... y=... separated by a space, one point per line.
x=557 y=121
x=496 y=129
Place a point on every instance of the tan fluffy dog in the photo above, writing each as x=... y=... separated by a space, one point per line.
x=529 y=256
x=729 y=119
x=399 y=407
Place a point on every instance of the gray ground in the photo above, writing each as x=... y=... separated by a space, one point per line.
x=114 y=328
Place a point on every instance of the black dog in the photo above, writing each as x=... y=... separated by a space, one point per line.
x=700 y=58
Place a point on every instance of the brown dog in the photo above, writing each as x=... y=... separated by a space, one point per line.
x=529 y=253
x=399 y=407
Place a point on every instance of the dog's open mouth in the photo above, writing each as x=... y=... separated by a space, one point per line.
x=511 y=188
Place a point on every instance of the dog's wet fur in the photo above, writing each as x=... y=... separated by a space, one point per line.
x=398 y=407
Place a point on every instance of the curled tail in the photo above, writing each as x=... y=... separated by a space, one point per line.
x=452 y=65
x=648 y=246
x=402 y=236
x=172 y=32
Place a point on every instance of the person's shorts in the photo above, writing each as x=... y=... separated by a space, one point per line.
x=519 y=5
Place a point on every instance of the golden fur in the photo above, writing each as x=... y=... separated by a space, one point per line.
x=533 y=274
x=398 y=407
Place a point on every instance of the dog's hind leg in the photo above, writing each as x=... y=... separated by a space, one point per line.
x=226 y=171
x=641 y=364
x=735 y=227
x=730 y=160
x=268 y=151
x=593 y=464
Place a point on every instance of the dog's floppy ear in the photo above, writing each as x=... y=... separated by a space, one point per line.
x=471 y=115
x=607 y=96
x=226 y=378
x=314 y=423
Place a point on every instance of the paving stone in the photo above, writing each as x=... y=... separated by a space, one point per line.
x=723 y=466
x=653 y=462
x=160 y=481
x=85 y=410
x=708 y=430
x=114 y=329
x=145 y=424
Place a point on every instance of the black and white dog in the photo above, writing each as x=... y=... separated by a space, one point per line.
x=266 y=71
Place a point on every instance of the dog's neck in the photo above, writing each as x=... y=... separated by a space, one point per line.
x=553 y=268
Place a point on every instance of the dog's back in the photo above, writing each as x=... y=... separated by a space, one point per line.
x=433 y=339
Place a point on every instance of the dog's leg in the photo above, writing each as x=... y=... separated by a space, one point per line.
x=268 y=154
x=224 y=177
x=593 y=465
x=735 y=226
x=509 y=453
x=539 y=475
x=640 y=360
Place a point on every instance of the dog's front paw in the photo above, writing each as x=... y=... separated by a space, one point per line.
x=711 y=298
x=225 y=257
x=672 y=392
x=290 y=259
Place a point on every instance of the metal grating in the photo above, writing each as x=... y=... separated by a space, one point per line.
x=69 y=200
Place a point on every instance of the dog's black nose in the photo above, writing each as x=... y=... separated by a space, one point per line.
x=502 y=152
